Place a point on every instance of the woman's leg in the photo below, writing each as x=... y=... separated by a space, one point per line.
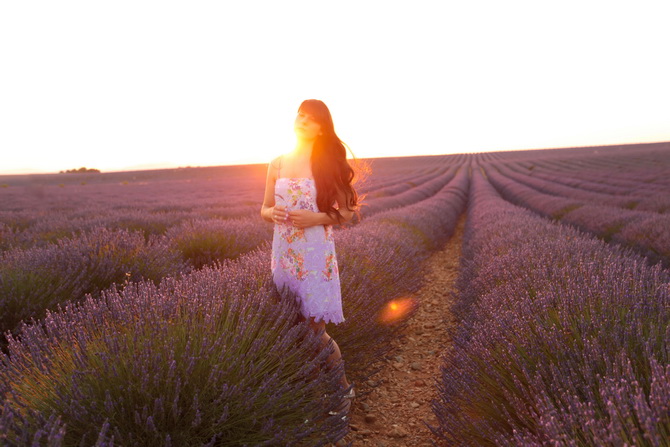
x=336 y=355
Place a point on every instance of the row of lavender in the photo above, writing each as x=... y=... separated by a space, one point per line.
x=641 y=230
x=40 y=211
x=38 y=278
x=563 y=339
x=638 y=195
x=214 y=357
x=626 y=202
x=598 y=168
x=636 y=172
x=177 y=207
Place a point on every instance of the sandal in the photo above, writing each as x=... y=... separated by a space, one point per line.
x=345 y=406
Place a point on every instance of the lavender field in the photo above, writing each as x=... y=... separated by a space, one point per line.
x=138 y=307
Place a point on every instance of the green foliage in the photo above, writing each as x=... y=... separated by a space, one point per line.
x=81 y=170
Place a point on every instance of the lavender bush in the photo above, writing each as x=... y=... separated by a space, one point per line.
x=394 y=172
x=563 y=340
x=415 y=194
x=401 y=184
x=430 y=222
x=7 y=237
x=210 y=359
x=650 y=236
x=36 y=279
x=627 y=201
x=548 y=205
x=590 y=217
x=40 y=230
x=203 y=242
x=649 y=196
x=604 y=221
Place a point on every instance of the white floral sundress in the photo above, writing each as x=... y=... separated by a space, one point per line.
x=303 y=259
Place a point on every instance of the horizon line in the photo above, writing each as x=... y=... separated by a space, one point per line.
x=165 y=166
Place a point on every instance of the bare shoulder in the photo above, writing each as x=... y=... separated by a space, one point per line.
x=274 y=167
x=276 y=162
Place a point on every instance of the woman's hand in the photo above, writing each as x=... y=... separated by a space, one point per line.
x=304 y=218
x=279 y=214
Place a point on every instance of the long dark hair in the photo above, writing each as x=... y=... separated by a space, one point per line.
x=332 y=173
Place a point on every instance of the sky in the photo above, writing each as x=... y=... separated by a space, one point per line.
x=127 y=85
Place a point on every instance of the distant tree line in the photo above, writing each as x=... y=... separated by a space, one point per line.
x=81 y=170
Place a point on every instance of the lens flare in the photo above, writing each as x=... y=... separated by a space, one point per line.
x=395 y=310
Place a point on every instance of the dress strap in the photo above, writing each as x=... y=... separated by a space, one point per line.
x=279 y=168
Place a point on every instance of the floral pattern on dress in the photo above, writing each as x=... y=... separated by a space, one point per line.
x=291 y=233
x=328 y=233
x=299 y=196
x=331 y=267
x=294 y=263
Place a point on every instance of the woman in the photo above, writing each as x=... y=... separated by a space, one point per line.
x=307 y=191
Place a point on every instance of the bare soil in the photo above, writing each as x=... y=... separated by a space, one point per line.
x=394 y=407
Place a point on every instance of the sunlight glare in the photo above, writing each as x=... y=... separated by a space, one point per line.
x=397 y=309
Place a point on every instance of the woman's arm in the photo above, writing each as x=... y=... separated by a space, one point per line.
x=268 y=208
x=305 y=218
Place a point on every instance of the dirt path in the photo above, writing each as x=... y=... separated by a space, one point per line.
x=398 y=407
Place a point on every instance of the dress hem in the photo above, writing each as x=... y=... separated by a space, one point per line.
x=326 y=318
